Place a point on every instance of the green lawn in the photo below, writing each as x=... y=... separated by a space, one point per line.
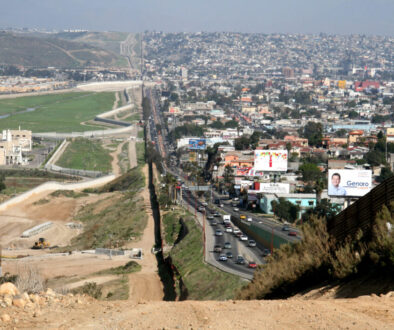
x=85 y=154
x=55 y=112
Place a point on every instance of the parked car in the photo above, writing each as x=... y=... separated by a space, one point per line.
x=217 y=248
x=243 y=238
x=227 y=245
x=222 y=257
x=252 y=243
x=218 y=232
x=292 y=233
x=240 y=260
x=252 y=264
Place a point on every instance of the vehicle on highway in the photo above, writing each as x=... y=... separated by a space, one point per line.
x=292 y=233
x=226 y=218
x=252 y=264
x=249 y=219
x=218 y=232
x=223 y=257
x=229 y=229
x=243 y=238
x=239 y=234
x=216 y=214
x=204 y=204
x=227 y=245
x=266 y=253
x=236 y=209
x=252 y=243
x=221 y=205
x=217 y=201
x=240 y=260
x=236 y=230
x=235 y=199
x=285 y=228
x=217 y=248
x=210 y=217
x=201 y=209
x=229 y=254
x=242 y=216
x=213 y=223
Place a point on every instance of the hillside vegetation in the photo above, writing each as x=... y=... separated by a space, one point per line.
x=318 y=259
x=33 y=51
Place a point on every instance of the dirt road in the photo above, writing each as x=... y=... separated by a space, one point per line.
x=146 y=285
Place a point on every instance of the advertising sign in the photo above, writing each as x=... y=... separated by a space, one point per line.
x=243 y=171
x=192 y=156
x=197 y=144
x=355 y=183
x=270 y=160
x=274 y=188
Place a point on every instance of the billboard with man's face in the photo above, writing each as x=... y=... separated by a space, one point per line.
x=270 y=160
x=354 y=183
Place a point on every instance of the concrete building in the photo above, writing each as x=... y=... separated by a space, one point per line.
x=12 y=144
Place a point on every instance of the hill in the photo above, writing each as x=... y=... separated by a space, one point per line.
x=43 y=51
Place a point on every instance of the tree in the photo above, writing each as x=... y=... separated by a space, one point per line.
x=231 y=124
x=323 y=209
x=228 y=175
x=217 y=124
x=2 y=183
x=384 y=174
x=374 y=157
x=310 y=172
x=341 y=133
x=242 y=143
x=313 y=132
x=284 y=209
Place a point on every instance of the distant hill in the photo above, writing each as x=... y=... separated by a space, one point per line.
x=54 y=50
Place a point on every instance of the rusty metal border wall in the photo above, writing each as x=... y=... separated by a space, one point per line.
x=361 y=214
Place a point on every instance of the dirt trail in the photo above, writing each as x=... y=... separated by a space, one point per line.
x=115 y=160
x=146 y=285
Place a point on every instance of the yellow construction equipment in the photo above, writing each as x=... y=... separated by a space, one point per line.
x=42 y=243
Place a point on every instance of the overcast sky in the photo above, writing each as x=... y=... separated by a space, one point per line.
x=265 y=16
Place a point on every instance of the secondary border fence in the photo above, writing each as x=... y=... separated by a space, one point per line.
x=361 y=214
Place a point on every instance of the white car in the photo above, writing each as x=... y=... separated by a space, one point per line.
x=204 y=204
x=249 y=219
x=235 y=209
x=236 y=231
x=229 y=229
x=243 y=238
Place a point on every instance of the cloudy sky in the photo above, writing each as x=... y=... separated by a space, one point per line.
x=265 y=16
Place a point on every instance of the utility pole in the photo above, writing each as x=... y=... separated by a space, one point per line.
x=1 y=274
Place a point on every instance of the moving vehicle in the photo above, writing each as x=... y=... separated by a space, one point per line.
x=213 y=223
x=222 y=257
x=242 y=216
x=266 y=252
x=235 y=209
x=226 y=218
x=217 y=248
x=210 y=217
x=285 y=228
x=218 y=232
x=252 y=243
x=204 y=204
x=236 y=230
x=292 y=233
x=201 y=208
x=229 y=255
x=229 y=229
x=227 y=245
x=252 y=264
x=243 y=238
x=249 y=219
x=42 y=243
x=240 y=260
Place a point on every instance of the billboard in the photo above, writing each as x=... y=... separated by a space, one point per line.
x=274 y=188
x=197 y=144
x=243 y=171
x=270 y=160
x=355 y=183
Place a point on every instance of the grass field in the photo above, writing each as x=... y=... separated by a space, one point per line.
x=55 y=112
x=85 y=154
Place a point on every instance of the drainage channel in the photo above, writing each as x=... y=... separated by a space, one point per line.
x=165 y=268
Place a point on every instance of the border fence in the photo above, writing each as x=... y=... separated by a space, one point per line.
x=362 y=213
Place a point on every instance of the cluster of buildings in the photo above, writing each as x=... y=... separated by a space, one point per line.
x=13 y=143
x=275 y=85
x=18 y=84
